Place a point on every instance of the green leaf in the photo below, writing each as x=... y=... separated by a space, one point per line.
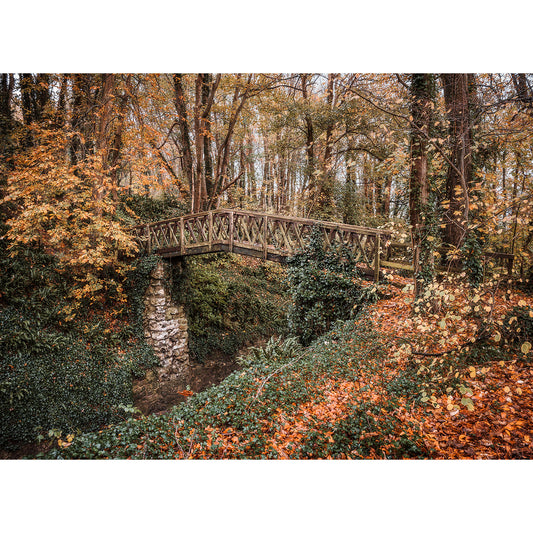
x=468 y=403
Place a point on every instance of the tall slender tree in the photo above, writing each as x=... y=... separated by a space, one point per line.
x=422 y=102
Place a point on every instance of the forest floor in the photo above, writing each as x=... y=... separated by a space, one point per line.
x=498 y=422
x=358 y=392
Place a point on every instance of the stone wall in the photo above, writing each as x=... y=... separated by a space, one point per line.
x=166 y=329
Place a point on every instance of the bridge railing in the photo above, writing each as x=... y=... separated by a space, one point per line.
x=268 y=236
x=275 y=237
x=399 y=256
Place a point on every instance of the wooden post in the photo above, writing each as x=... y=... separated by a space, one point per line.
x=376 y=258
x=210 y=217
x=182 y=236
x=265 y=235
x=231 y=231
x=148 y=239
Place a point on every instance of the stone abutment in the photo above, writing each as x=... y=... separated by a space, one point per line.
x=166 y=330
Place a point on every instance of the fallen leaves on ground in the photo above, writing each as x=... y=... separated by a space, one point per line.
x=499 y=427
x=499 y=422
x=359 y=394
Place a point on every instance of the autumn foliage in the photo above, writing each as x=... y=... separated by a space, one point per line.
x=433 y=366
x=58 y=209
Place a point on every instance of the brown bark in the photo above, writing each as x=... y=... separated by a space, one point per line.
x=7 y=142
x=523 y=93
x=82 y=117
x=250 y=171
x=309 y=177
x=200 y=196
x=6 y=115
x=180 y=104
x=104 y=117
x=421 y=111
x=117 y=141
x=459 y=176
x=6 y=95
x=61 y=111
x=266 y=175
x=209 y=88
x=327 y=177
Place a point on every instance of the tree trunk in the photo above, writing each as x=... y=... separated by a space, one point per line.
x=309 y=174
x=459 y=176
x=117 y=141
x=327 y=177
x=180 y=104
x=82 y=126
x=208 y=92
x=6 y=116
x=200 y=192
x=421 y=110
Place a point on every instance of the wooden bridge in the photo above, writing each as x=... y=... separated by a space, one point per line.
x=268 y=236
x=276 y=237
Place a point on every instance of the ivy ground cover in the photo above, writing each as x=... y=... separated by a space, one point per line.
x=358 y=392
x=340 y=398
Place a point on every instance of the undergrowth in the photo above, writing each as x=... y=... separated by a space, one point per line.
x=61 y=376
x=244 y=416
x=64 y=377
x=230 y=302
x=325 y=287
x=142 y=209
x=343 y=396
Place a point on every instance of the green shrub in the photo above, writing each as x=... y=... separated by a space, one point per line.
x=275 y=351
x=54 y=380
x=324 y=286
x=67 y=377
x=143 y=208
x=472 y=252
x=369 y=429
x=32 y=282
x=518 y=326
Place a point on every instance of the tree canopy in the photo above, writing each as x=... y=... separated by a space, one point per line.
x=358 y=148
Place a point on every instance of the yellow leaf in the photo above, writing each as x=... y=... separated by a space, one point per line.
x=526 y=347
